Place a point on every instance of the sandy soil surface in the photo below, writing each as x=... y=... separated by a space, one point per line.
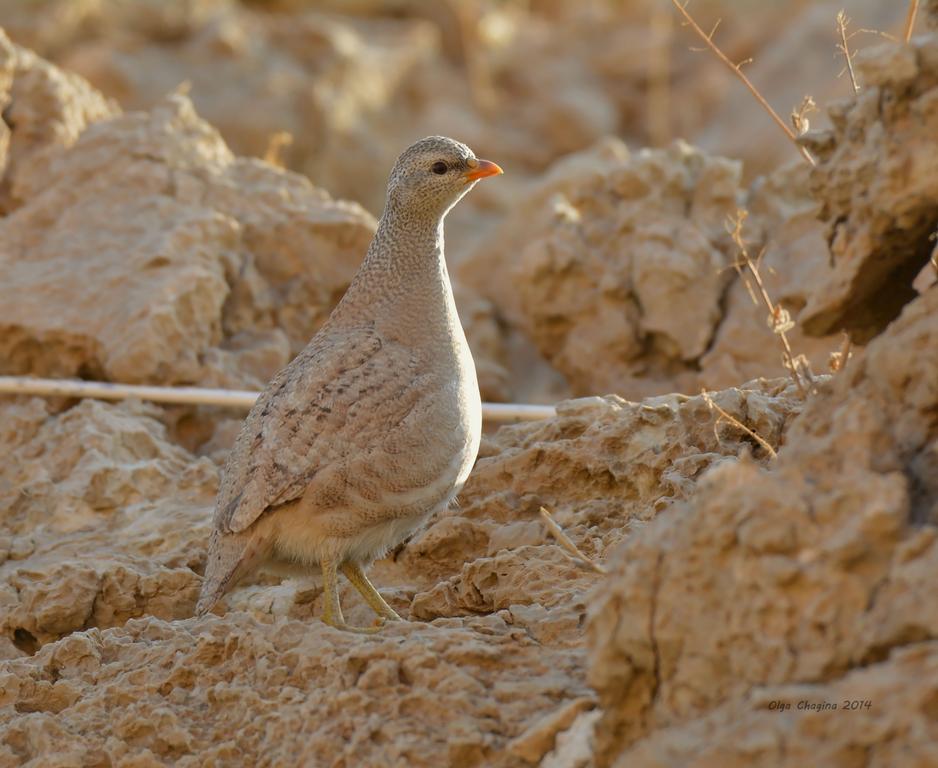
x=769 y=549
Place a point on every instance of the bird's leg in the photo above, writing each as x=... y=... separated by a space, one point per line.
x=331 y=608
x=354 y=573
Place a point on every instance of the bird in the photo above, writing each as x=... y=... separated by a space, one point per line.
x=376 y=423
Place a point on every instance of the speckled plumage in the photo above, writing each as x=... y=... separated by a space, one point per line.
x=376 y=423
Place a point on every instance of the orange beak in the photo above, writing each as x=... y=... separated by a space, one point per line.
x=483 y=169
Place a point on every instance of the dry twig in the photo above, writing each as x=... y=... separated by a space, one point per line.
x=736 y=68
x=843 y=46
x=799 y=115
x=910 y=19
x=736 y=423
x=779 y=318
x=227 y=398
x=568 y=546
x=838 y=360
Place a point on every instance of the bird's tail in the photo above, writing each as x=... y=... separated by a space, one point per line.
x=230 y=556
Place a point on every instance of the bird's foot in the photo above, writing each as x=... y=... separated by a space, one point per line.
x=332 y=609
x=354 y=573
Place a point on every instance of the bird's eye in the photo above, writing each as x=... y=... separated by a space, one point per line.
x=439 y=167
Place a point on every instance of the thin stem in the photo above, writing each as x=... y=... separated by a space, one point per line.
x=708 y=39
x=775 y=311
x=839 y=359
x=738 y=424
x=842 y=22
x=567 y=544
x=225 y=398
x=910 y=19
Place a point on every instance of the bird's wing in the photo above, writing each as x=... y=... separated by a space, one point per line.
x=295 y=428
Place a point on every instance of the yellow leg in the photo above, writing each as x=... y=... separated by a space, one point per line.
x=331 y=608
x=354 y=573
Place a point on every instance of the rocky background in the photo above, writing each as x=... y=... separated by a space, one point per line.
x=186 y=189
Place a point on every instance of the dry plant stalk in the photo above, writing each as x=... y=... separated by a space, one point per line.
x=226 y=398
x=737 y=70
x=799 y=115
x=843 y=46
x=572 y=550
x=910 y=19
x=779 y=318
x=838 y=360
x=724 y=416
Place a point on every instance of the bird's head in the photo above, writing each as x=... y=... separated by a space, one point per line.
x=432 y=175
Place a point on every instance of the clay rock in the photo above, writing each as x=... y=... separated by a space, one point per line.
x=349 y=80
x=322 y=79
x=104 y=530
x=563 y=100
x=212 y=269
x=192 y=265
x=488 y=267
x=44 y=110
x=623 y=292
x=788 y=726
x=487 y=263
x=603 y=467
x=522 y=576
x=52 y=27
x=571 y=268
x=877 y=177
x=245 y=689
x=102 y=520
x=799 y=572
x=349 y=89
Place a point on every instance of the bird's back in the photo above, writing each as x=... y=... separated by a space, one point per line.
x=380 y=416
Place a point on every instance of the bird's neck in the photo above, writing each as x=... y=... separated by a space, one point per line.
x=406 y=244
x=405 y=270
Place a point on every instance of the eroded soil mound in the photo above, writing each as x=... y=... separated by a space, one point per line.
x=107 y=526
x=761 y=564
x=793 y=574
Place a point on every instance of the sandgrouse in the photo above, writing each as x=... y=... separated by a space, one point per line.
x=376 y=423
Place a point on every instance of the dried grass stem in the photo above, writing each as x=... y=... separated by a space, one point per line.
x=778 y=317
x=738 y=424
x=842 y=22
x=708 y=39
x=225 y=398
x=567 y=544
x=910 y=19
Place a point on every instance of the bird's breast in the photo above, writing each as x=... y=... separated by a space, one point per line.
x=424 y=458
